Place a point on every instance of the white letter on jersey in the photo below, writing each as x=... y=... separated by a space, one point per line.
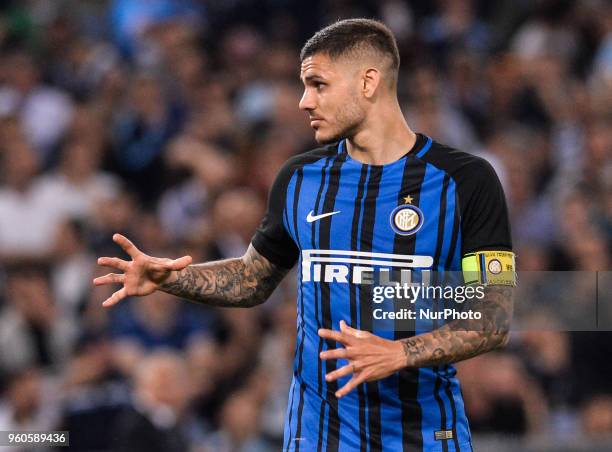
x=337 y=272
x=363 y=275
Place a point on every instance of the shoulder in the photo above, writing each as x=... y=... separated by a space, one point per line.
x=468 y=171
x=283 y=178
x=309 y=157
x=458 y=164
x=305 y=158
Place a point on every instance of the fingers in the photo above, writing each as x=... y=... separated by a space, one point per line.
x=352 y=384
x=111 y=278
x=180 y=263
x=339 y=373
x=351 y=331
x=114 y=262
x=115 y=298
x=337 y=353
x=344 y=327
x=163 y=263
x=127 y=246
x=333 y=335
x=346 y=335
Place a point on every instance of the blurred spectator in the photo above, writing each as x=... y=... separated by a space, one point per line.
x=238 y=427
x=531 y=211
x=547 y=356
x=114 y=212
x=159 y=417
x=238 y=339
x=275 y=368
x=78 y=184
x=95 y=394
x=141 y=130
x=183 y=209
x=212 y=118
x=603 y=58
x=131 y=19
x=73 y=268
x=44 y=112
x=430 y=111
x=597 y=416
x=159 y=320
x=32 y=330
x=500 y=396
x=78 y=64
x=24 y=201
x=456 y=27
x=236 y=215
x=29 y=404
x=546 y=32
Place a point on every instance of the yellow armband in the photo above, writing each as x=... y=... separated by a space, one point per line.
x=489 y=267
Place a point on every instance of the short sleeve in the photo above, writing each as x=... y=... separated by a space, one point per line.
x=484 y=213
x=271 y=239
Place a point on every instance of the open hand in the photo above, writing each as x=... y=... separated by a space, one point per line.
x=370 y=357
x=142 y=275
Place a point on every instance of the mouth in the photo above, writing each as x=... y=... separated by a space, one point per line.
x=315 y=122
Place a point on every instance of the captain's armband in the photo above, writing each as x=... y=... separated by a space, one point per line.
x=495 y=268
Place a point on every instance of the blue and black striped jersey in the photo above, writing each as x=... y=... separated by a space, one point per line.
x=347 y=225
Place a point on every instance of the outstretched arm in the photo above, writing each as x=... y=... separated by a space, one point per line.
x=240 y=282
x=371 y=357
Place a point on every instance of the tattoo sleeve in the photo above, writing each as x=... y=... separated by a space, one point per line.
x=241 y=282
x=463 y=339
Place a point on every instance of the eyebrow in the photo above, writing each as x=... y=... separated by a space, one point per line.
x=311 y=78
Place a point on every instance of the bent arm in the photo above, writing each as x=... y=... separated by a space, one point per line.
x=240 y=282
x=463 y=339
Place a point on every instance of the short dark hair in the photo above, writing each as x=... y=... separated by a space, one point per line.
x=350 y=35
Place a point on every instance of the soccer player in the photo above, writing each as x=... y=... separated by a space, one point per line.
x=376 y=200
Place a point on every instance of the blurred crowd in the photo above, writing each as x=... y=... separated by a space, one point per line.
x=167 y=120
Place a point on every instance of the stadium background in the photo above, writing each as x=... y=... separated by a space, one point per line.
x=167 y=121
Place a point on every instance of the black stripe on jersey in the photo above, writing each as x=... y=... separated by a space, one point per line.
x=449 y=260
x=442 y=409
x=449 y=394
x=316 y=294
x=441 y=222
x=333 y=421
x=365 y=305
x=296 y=195
x=440 y=240
x=455 y=233
x=412 y=439
x=353 y=300
x=289 y=437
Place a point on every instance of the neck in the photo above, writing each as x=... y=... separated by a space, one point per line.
x=384 y=138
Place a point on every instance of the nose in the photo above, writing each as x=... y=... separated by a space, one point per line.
x=307 y=101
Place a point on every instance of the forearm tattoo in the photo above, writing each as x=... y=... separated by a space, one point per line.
x=463 y=339
x=240 y=282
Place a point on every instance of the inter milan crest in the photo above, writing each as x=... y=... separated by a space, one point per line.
x=406 y=219
x=495 y=266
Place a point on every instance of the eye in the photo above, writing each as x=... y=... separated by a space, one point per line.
x=319 y=85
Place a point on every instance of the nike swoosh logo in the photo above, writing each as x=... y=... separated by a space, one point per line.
x=310 y=218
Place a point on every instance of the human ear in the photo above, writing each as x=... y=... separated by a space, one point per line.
x=370 y=82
